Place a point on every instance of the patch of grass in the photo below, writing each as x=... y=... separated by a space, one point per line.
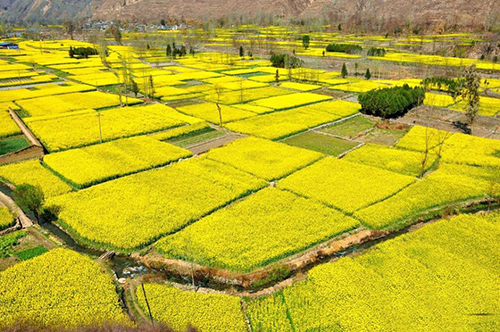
x=9 y=240
x=351 y=127
x=385 y=136
x=196 y=138
x=31 y=252
x=13 y=144
x=321 y=143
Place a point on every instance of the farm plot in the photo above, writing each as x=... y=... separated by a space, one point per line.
x=345 y=185
x=438 y=100
x=237 y=97
x=60 y=288
x=6 y=218
x=94 y=164
x=209 y=112
x=266 y=159
x=181 y=309
x=282 y=124
x=32 y=172
x=409 y=283
x=135 y=210
x=487 y=106
x=51 y=105
x=471 y=150
x=250 y=233
x=396 y=160
x=81 y=128
x=291 y=100
x=326 y=144
x=445 y=186
x=418 y=138
x=42 y=90
x=7 y=125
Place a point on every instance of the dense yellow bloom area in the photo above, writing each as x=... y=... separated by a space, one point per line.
x=98 y=78
x=98 y=163
x=6 y=218
x=209 y=112
x=300 y=86
x=180 y=131
x=135 y=210
x=70 y=102
x=42 y=90
x=266 y=226
x=7 y=125
x=61 y=288
x=291 y=100
x=396 y=160
x=32 y=172
x=442 y=277
x=487 y=106
x=345 y=185
x=266 y=159
x=472 y=150
x=419 y=137
x=236 y=97
x=278 y=125
x=338 y=107
x=180 y=309
x=80 y=129
x=254 y=108
x=438 y=100
x=361 y=86
x=449 y=184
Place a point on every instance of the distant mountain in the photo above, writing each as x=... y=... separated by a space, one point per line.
x=372 y=13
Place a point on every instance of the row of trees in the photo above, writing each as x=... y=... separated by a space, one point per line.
x=344 y=48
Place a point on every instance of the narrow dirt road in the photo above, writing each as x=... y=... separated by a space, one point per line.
x=13 y=207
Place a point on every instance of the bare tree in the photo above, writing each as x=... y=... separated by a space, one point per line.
x=427 y=148
x=470 y=92
x=218 y=91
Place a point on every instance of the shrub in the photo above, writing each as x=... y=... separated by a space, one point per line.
x=374 y=51
x=285 y=61
x=344 y=48
x=82 y=52
x=391 y=102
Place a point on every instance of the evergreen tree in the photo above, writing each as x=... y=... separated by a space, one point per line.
x=242 y=52
x=368 y=75
x=169 y=50
x=344 y=72
x=305 y=41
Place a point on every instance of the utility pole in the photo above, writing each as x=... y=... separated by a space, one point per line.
x=147 y=303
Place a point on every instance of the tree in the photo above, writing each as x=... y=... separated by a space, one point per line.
x=69 y=28
x=427 y=147
x=162 y=22
x=30 y=198
x=114 y=29
x=277 y=77
x=134 y=87
x=218 y=92
x=169 y=51
x=368 y=75
x=470 y=92
x=242 y=52
x=151 y=87
x=305 y=41
x=344 y=72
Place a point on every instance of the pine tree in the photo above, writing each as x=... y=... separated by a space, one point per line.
x=242 y=52
x=344 y=72
x=368 y=75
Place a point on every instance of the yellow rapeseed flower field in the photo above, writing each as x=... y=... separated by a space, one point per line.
x=98 y=163
x=266 y=226
x=80 y=129
x=6 y=218
x=345 y=185
x=135 y=210
x=180 y=309
x=424 y=281
x=60 y=288
x=266 y=159
x=32 y=172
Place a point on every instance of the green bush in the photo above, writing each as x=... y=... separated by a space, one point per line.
x=391 y=102
x=81 y=52
x=344 y=48
x=282 y=60
x=374 y=51
x=31 y=252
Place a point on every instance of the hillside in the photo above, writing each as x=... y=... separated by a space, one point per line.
x=372 y=13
